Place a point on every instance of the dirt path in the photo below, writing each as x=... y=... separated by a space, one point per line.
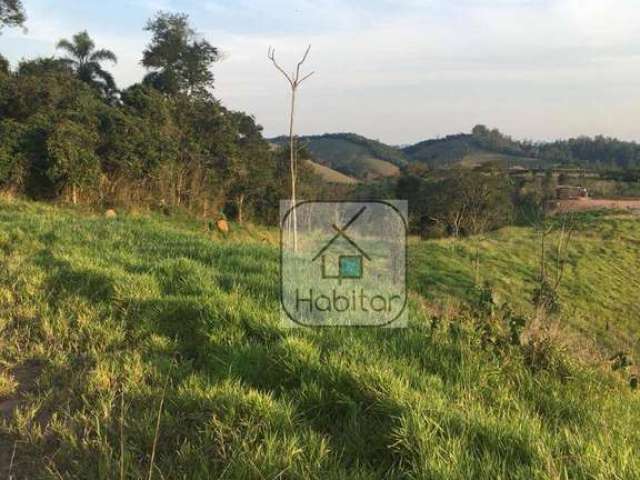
x=597 y=203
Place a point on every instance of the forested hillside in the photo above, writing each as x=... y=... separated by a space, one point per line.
x=470 y=150
x=490 y=145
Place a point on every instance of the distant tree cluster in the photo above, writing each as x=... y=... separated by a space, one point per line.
x=66 y=131
x=456 y=202
x=597 y=152
x=495 y=141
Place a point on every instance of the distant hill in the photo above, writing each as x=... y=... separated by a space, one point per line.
x=465 y=150
x=352 y=155
x=359 y=158
x=363 y=159
x=484 y=144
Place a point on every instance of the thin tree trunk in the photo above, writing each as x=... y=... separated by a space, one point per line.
x=294 y=81
x=205 y=207
x=240 y=205
x=292 y=154
x=179 y=187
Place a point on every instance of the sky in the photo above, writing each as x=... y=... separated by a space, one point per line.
x=399 y=71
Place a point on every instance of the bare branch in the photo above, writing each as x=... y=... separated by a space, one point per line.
x=305 y=77
x=304 y=57
x=271 y=55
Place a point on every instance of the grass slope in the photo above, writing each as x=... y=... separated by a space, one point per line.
x=329 y=175
x=598 y=291
x=353 y=155
x=92 y=308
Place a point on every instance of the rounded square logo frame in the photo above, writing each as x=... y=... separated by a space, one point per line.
x=343 y=264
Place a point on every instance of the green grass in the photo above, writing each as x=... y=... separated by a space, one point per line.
x=91 y=308
x=599 y=288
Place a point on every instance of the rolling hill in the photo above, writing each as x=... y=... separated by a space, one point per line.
x=353 y=155
x=463 y=149
x=363 y=159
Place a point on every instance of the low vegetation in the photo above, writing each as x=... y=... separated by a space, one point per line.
x=111 y=327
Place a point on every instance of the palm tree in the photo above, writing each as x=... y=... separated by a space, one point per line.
x=85 y=60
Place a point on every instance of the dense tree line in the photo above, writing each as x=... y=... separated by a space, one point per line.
x=66 y=131
x=597 y=152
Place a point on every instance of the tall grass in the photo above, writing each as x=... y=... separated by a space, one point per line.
x=136 y=303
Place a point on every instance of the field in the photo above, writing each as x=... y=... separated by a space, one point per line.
x=479 y=158
x=121 y=334
x=329 y=175
x=630 y=204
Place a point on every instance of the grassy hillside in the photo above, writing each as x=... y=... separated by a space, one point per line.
x=597 y=293
x=353 y=155
x=330 y=175
x=461 y=149
x=105 y=323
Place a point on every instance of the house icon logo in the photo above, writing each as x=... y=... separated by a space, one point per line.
x=350 y=265
x=343 y=264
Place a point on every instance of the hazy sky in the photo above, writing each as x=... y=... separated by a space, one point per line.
x=396 y=70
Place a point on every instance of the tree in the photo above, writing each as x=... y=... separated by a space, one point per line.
x=294 y=82
x=11 y=154
x=71 y=148
x=179 y=61
x=44 y=66
x=250 y=168
x=546 y=299
x=58 y=137
x=11 y=13
x=86 y=61
x=5 y=68
x=457 y=202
